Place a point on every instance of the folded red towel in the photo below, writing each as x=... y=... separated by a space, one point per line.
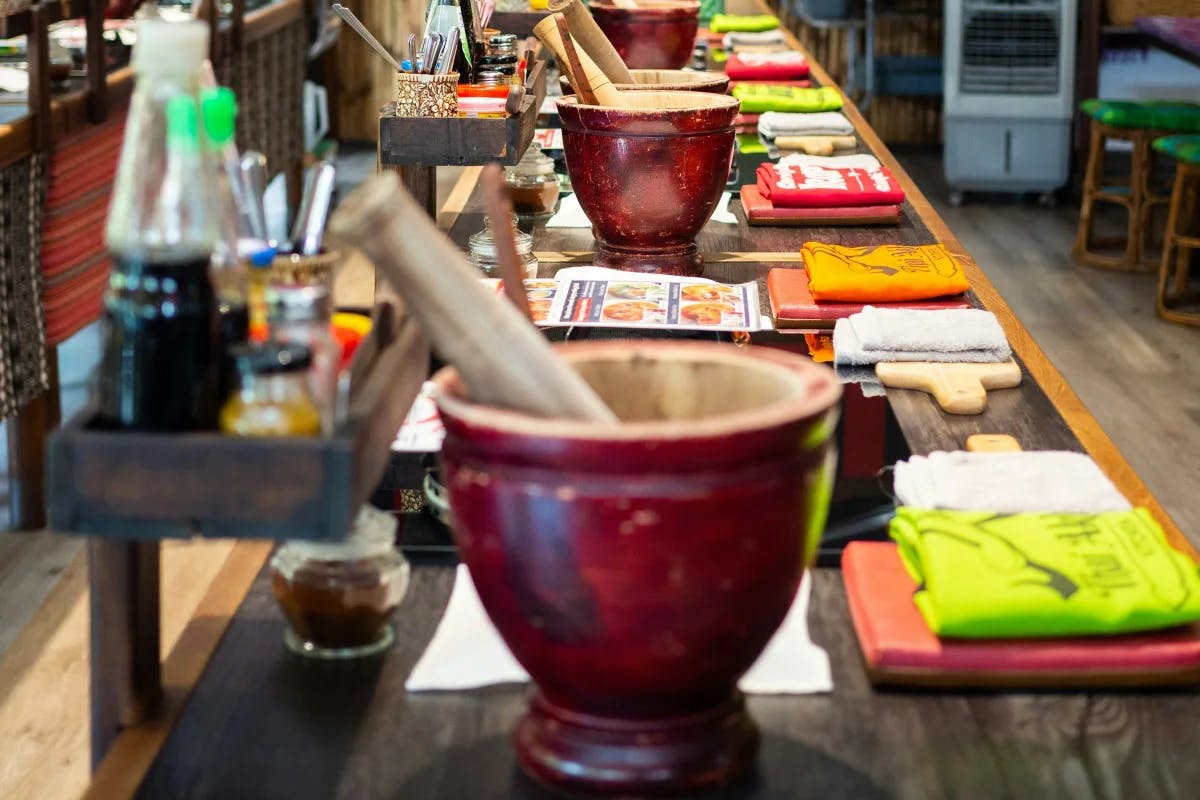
x=766 y=66
x=806 y=185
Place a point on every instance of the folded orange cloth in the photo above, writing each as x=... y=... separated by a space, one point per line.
x=883 y=273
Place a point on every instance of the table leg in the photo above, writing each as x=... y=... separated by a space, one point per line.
x=126 y=684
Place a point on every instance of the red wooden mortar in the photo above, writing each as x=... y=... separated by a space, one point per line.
x=652 y=36
x=649 y=176
x=637 y=571
x=668 y=80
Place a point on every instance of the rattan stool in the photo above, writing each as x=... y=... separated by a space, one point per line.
x=1140 y=200
x=1183 y=233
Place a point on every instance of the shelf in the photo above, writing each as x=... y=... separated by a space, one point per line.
x=20 y=23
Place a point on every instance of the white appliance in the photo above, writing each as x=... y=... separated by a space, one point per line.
x=1010 y=94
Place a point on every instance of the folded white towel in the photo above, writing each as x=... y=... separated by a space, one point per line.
x=893 y=334
x=753 y=38
x=571 y=215
x=868 y=382
x=820 y=123
x=1007 y=483
x=856 y=161
x=467 y=652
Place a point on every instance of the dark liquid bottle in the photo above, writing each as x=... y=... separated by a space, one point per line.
x=161 y=355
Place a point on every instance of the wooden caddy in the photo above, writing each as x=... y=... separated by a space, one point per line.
x=1182 y=239
x=1140 y=201
x=128 y=491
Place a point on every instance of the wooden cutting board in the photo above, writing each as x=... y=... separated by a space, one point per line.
x=957 y=388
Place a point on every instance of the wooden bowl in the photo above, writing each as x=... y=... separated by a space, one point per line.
x=652 y=36
x=650 y=176
x=666 y=80
x=637 y=571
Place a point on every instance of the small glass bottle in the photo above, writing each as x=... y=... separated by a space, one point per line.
x=481 y=250
x=532 y=184
x=338 y=596
x=300 y=314
x=273 y=398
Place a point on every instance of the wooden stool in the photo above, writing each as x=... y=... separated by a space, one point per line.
x=1183 y=232
x=1139 y=201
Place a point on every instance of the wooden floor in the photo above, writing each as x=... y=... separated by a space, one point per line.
x=1140 y=378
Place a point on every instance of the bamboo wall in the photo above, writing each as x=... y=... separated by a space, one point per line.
x=359 y=81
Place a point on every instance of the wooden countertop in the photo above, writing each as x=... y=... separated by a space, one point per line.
x=264 y=724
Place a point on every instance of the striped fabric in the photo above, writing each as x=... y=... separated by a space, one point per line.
x=23 y=365
x=75 y=265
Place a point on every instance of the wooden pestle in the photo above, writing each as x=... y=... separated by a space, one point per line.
x=592 y=79
x=504 y=360
x=499 y=213
x=588 y=35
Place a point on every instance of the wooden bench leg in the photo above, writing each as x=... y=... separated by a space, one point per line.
x=126 y=682
x=1180 y=241
x=27 y=431
x=1137 y=204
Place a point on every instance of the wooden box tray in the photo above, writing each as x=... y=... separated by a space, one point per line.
x=153 y=486
x=463 y=141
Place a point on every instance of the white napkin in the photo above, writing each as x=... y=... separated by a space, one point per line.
x=467 y=652
x=1026 y=482
x=754 y=38
x=570 y=213
x=820 y=123
x=897 y=334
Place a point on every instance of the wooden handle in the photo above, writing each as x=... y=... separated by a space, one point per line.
x=504 y=360
x=815 y=145
x=574 y=65
x=590 y=75
x=499 y=211
x=992 y=443
x=957 y=388
x=593 y=41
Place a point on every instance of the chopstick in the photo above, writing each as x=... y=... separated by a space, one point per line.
x=499 y=212
x=353 y=21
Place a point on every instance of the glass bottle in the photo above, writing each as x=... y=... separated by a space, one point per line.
x=481 y=250
x=273 y=397
x=338 y=596
x=160 y=355
x=218 y=110
x=532 y=184
x=300 y=314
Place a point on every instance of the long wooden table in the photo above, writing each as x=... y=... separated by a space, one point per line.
x=243 y=718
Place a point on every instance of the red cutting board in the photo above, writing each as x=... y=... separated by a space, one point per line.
x=793 y=306
x=759 y=211
x=899 y=648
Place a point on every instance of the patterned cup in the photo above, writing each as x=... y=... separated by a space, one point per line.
x=419 y=95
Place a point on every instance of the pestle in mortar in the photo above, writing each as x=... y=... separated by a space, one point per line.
x=588 y=80
x=506 y=362
x=587 y=35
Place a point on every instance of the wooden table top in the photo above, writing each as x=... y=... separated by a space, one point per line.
x=248 y=719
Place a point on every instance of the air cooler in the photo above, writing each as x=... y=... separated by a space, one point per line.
x=1009 y=87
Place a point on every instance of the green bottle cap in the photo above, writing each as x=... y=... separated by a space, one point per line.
x=183 y=127
x=219 y=109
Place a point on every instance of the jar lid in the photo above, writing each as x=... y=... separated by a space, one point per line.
x=270 y=358
x=297 y=302
x=503 y=38
x=508 y=59
x=534 y=162
x=483 y=244
x=372 y=533
x=491 y=77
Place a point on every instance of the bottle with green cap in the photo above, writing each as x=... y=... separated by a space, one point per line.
x=161 y=351
x=218 y=111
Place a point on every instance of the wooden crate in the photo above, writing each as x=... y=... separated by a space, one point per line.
x=153 y=485
x=463 y=141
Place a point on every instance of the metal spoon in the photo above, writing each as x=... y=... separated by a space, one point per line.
x=362 y=31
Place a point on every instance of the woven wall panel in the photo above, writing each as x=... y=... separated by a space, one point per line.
x=23 y=373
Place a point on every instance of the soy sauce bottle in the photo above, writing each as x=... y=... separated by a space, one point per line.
x=161 y=352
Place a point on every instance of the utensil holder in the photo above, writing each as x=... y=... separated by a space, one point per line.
x=296 y=268
x=420 y=95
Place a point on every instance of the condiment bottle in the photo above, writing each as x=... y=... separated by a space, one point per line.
x=337 y=596
x=532 y=184
x=161 y=352
x=481 y=250
x=273 y=398
x=300 y=314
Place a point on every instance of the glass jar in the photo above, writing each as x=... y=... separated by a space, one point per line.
x=300 y=313
x=481 y=250
x=532 y=184
x=338 y=597
x=273 y=398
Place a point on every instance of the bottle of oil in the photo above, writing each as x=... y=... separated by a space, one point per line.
x=161 y=352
